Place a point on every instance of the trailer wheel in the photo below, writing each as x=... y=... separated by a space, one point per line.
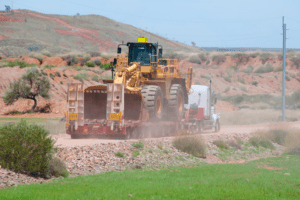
x=153 y=98
x=217 y=126
x=176 y=102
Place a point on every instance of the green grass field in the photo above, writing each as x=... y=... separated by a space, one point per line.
x=225 y=181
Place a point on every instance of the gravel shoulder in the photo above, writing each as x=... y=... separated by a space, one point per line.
x=92 y=156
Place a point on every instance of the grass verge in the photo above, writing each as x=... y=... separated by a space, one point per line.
x=228 y=181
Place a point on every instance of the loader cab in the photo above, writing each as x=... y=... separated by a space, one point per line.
x=142 y=51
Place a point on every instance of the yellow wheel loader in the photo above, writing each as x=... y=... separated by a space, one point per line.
x=145 y=98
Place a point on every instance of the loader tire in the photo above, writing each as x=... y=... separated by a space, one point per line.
x=176 y=102
x=153 y=98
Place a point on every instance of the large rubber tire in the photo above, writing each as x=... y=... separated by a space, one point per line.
x=176 y=102
x=154 y=99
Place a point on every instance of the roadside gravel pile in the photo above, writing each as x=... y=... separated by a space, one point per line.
x=154 y=154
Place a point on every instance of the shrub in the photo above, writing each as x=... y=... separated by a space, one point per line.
x=90 y=64
x=95 y=54
x=278 y=69
x=243 y=88
x=159 y=146
x=87 y=58
x=264 y=69
x=227 y=89
x=120 y=154
x=255 y=83
x=51 y=76
x=238 y=99
x=227 y=78
x=240 y=57
x=135 y=153
x=258 y=141
x=202 y=57
x=264 y=57
x=61 y=82
x=191 y=145
x=36 y=56
x=57 y=74
x=241 y=80
x=50 y=66
x=254 y=55
x=235 y=68
x=46 y=53
x=207 y=62
x=58 y=168
x=105 y=66
x=278 y=136
x=97 y=62
x=65 y=75
x=219 y=58
x=26 y=148
x=82 y=76
x=95 y=78
x=21 y=64
x=138 y=145
x=71 y=60
x=296 y=61
x=249 y=69
x=221 y=144
x=287 y=78
x=234 y=144
x=205 y=76
x=173 y=55
x=195 y=59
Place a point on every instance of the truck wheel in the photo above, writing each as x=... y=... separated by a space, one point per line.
x=153 y=98
x=176 y=102
x=217 y=126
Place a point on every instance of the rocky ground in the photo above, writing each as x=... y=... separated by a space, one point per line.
x=156 y=154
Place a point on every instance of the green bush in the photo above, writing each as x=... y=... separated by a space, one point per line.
x=97 y=62
x=51 y=76
x=135 y=153
x=195 y=59
x=61 y=83
x=26 y=148
x=191 y=145
x=120 y=154
x=95 y=78
x=257 y=141
x=105 y=66
x=138 y=145
x=249 y=69
x=202 y=57
x=50 y=66
x=264 y=57
x=227 y=78
x=255 y=83
x=21 y=64
x=58 y=168
x=221 y=144
x=90 y=64
x=219 y=58
x=264 y=69
x=57 y=74
x=82 y=76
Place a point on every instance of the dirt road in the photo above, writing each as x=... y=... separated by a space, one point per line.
x=64 y=140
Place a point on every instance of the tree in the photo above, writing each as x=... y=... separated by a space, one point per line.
x=32 y=84
x=194 y=44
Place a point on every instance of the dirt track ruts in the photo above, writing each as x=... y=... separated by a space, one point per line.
x=64 y=140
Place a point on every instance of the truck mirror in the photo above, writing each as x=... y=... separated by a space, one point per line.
x=115 y=61
x=119 y=50
x=160 y=53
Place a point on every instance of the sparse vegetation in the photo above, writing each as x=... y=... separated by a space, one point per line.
x=97 y=62
x=227 y=78
x=260 y=141
x=95 y=78
x=249 y=69
x=296 y=61
x=202 y=57
x=221 y=144
x=227 y=89
x=265 y=69
x=95 y=54
x=241 y=80
x=278 y=69
x=52 y=76
x=190 y=144
x=105 y=66
x=235 y=144
x=81 y=77
x=243 y=88
x=255 y=83
x=207 y=62
x=120 y=154
x=50 y=66
x=195 y=59
x=138 y=145
x=219 y=59
x=90 y=64
x=264 y=57
x=21 y=64
x=135 y=153
x=58 y=168
x=57 y=74
x=206 y=76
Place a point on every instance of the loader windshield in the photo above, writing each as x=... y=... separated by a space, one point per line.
x=141 y=52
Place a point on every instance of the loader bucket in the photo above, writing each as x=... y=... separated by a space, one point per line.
x=95 y=100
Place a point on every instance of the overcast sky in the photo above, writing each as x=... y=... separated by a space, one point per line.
x=209 y=23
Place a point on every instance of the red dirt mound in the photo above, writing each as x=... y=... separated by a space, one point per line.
x=30 y=60
x=54 y=61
